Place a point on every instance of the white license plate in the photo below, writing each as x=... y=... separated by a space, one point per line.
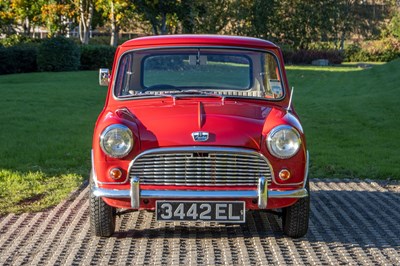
x=210 y=211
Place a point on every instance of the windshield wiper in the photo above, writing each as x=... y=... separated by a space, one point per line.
x=160 y=87
x=180 y=93
x=201 y=92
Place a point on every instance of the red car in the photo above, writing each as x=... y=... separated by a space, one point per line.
x=199 y=128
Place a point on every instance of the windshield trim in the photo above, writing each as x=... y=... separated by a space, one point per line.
x=134 y=97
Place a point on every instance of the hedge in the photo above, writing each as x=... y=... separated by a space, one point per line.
x=58 y=54
x=18 y=59
x=96 y=56
x=305 y=57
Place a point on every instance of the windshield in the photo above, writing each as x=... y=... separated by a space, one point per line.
x=221 y=71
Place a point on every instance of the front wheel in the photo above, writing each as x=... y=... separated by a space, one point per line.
x=102 y=216
x=295 y=218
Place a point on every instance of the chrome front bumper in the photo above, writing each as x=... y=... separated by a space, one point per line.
x=262 y=193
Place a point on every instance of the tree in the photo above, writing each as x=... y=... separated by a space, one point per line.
x=299 y=22
x=6 y=18
x=116 y=11
x=56 y=15
x=187 y=14
x=214 y=16
x=394 y=25
x=85 y=20
x=26 y=13
x=162 y=14
x=255 y=18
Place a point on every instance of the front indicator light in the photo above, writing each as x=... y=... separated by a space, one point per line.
x=284 y=174
x=115 y=173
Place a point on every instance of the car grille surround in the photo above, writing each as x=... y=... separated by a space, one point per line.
x=200 y=167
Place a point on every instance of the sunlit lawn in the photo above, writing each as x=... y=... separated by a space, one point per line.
x=351 y=119
x=47 y=119
x=46 y=127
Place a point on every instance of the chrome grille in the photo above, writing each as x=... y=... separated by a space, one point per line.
x=214 y=167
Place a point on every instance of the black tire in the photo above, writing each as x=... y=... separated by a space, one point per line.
x=102 y=216
x=295 y=218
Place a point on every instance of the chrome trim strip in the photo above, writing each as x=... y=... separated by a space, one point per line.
x=262 y=192
x=111 y=193
x=292 y=194
x=198 y=149
x=94 y=176
x=210 y=194
x=306 y=170
x=135 y=193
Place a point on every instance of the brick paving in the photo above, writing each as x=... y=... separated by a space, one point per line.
x=352 y=223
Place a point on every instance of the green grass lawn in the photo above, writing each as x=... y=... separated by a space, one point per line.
x=47 y=121
x=349 y=117
x=46 y=127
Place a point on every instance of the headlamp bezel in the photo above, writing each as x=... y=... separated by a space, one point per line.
x=110 y=128
x=270 y=142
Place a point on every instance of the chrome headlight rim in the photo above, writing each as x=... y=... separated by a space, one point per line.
x=113 y=127
x=276 y=130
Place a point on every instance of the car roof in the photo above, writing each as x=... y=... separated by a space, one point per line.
x=199 y=39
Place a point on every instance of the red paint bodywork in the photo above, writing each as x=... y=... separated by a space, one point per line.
x=163 y=122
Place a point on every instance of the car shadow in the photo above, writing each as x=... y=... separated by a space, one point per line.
x=339 y=215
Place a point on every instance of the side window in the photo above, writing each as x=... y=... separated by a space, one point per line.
x=272 y=80
x=125 y=73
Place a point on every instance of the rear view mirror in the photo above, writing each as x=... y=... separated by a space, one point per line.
x=196 y=60
x=104 y=76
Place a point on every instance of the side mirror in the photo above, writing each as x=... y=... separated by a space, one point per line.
x=104 y=76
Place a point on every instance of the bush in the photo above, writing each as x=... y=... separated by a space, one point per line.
x=384 y=50
x=18 y=59
x=58 y=54
x=394 y=26
x=307 y=56
x=105 y=40
x=94 y=57
x=12 y=40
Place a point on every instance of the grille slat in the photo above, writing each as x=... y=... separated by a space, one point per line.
x=193 y=168
x=204 y=169
x=197 y=174
x=179 y=163
x=199 y=159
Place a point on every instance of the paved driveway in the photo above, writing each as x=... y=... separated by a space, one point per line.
x=351 y=223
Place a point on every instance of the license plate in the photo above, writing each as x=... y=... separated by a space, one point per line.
x=210 y=211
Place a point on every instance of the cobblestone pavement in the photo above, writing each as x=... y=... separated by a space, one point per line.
x=352 y=222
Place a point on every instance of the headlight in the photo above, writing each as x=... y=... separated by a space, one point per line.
x=283 y=142
x=116 y=141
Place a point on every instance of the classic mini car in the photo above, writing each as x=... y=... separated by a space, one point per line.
x=198 y=128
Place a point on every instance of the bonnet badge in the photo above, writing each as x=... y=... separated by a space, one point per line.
x=200 y=136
